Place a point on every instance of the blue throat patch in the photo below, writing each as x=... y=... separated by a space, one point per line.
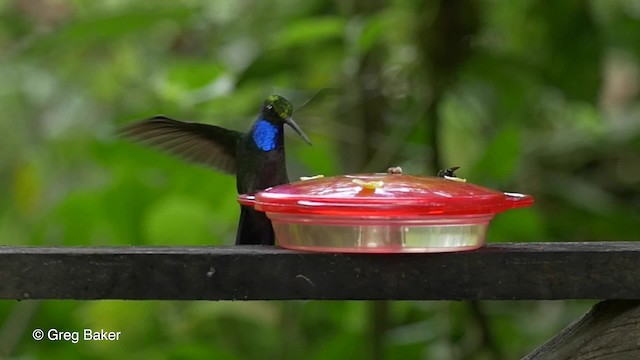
x=264 y=135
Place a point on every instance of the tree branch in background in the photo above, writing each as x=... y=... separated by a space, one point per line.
x=444 y=38
x=444 y=35
x=363 y=95
x=369 y=113
x=483 y=322
x=379 y=315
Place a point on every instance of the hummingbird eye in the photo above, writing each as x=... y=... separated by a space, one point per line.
x=269 y=108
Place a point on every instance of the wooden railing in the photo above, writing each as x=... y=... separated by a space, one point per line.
x=512 y=271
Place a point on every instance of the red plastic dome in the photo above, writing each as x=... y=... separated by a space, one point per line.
x=389 y=195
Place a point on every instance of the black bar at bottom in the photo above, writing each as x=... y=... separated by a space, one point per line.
x=512 y=271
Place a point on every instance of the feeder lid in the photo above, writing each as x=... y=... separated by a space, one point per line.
x=383 y=194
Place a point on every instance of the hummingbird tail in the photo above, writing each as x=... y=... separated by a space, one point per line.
x=254 y=228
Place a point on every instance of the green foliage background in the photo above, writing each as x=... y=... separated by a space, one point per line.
x=537 y=97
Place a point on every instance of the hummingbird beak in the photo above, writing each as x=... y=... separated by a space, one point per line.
x=294 y=126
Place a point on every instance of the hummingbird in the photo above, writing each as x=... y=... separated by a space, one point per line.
x=256 y=157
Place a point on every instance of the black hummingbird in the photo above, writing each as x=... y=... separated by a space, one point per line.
x=256 y=158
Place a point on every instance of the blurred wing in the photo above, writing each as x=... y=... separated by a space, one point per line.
x=199 y=143
x=303 y=98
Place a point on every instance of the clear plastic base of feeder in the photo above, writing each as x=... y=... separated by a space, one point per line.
x=376 y=235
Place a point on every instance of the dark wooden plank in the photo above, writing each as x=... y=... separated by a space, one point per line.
x=608 y=270
x=610 y=331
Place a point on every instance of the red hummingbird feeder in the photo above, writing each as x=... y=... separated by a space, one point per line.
x=382 y=213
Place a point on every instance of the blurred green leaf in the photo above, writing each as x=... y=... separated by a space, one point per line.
x=27 y=188
x=372 y=32
x=179 y=220
x=501 y=157
x=309 y=30
x=190 y=75
x=100 y=27
x=341 y=345
x=518 y=225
